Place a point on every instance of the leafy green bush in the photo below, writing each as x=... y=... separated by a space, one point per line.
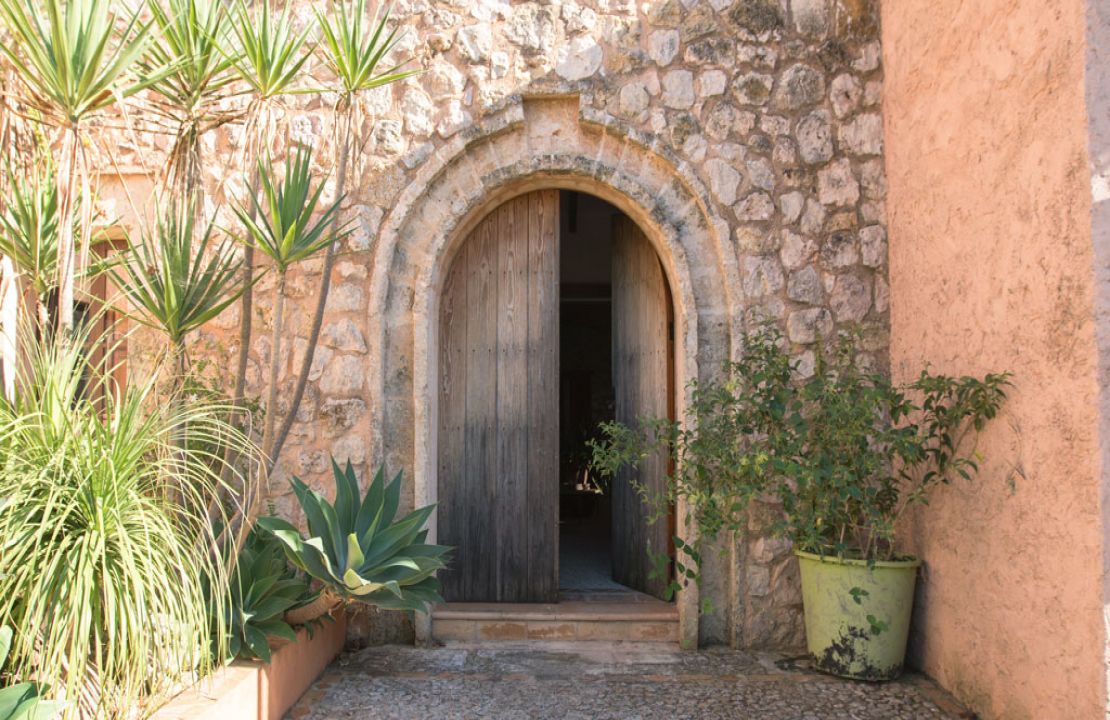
x=262 y=589
x=357 y=550
x=105 y=540
x=843 y=452
x=22 y=701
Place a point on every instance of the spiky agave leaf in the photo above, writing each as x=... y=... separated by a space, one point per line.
x=357 y=549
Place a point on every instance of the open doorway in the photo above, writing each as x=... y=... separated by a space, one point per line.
x=597 y=533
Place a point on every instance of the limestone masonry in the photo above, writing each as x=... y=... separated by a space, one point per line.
x=744 y=137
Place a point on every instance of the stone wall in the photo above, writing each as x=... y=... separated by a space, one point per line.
x=992 y=267
x=744 y=136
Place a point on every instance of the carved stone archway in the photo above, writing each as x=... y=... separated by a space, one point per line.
x=529 y=144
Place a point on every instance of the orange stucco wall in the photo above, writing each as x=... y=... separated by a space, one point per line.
x=992 y=268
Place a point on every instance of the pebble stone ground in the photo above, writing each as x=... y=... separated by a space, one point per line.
x=603 y=682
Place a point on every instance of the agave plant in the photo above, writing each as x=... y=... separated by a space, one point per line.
x=285 y=227
x=74 y=59
x=178 y=279
x=22 y=701
x=104 y=567
x=354 y=49
x=357 y=549
x=263 y=589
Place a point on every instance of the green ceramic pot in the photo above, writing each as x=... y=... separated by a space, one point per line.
x=857 y=616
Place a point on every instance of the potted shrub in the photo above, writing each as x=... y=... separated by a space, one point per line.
x=840 y=455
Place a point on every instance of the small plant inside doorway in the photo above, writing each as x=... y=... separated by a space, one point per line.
x=615 y=362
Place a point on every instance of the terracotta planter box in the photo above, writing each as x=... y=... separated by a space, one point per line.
x=249 y=690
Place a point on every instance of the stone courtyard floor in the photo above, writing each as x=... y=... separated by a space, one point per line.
x=602 y=681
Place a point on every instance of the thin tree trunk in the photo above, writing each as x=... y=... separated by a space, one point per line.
x=66 y=247
x=275 y=367
x=322 y=300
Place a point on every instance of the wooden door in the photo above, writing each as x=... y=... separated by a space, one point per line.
x=498 y=440
x=641 y=390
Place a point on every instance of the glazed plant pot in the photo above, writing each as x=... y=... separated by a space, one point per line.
x=857 y=616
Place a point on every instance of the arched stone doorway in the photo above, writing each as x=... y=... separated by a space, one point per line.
x=532 y=144
x=555 y=315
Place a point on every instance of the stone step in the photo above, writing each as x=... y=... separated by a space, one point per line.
x=577 y=620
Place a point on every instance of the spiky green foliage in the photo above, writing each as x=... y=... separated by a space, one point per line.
x=283 y=222
x=22 y=701
x=179 y=279
x=357 y=549
x=269 y=49
x=105 y=541
x=29 y=226
x=354 y=47
x=76 y=57
x=262 y=589
x=193 y=42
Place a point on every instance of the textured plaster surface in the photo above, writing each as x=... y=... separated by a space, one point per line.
x=991 y=268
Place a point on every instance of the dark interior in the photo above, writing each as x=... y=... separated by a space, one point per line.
x=585 y=389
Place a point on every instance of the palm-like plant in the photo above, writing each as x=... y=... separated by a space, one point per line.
x=268 y=57
x=192 y=40
x=104 y=573
x=285 y=227
x=353 y=48
x=29 y=231
x=22 y=701
x=357 y=549
x=178 y=279
x=74 y=59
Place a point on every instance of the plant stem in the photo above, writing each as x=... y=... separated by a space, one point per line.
x=275 y=367
x=325 y=287
x=66 y=247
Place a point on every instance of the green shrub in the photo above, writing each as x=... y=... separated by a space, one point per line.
x=105 y=540
x=357 y=549
x=841 y=453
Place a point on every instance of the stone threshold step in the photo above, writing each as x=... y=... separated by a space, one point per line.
x=575 y=611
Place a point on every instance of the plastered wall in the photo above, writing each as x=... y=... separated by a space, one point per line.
x=992 y=267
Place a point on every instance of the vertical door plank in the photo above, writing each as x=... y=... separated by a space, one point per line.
x=498 y=407
x=512 y=398
x=453 y=509
x=480 y=437
x=640 y=385
x=543 y=400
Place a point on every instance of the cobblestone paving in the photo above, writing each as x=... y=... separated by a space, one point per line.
x=602 y=682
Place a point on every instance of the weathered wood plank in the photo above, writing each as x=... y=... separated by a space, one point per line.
x=452 y=418
x=640 y=385
x=543 y=400
x=480 y=485
x=512 y=399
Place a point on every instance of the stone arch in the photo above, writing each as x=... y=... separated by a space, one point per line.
x=527 y=145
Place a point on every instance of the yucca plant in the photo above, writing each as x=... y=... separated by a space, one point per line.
x=103 y=572
x=357 y=549
x=178 y=279
x=263 y=588
x=29 y=230
x=22 y=701
x=74 y=59
x=287 y=223
x=193 y=41
x=269 y=53
x=354 y=47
